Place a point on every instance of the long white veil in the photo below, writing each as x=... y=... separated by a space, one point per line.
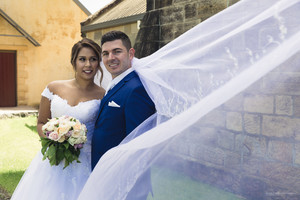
x=227 y=126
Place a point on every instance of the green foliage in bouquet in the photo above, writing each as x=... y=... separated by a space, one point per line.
x=65 y=137
x=57 y=152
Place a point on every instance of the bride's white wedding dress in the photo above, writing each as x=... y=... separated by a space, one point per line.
x=42 y=181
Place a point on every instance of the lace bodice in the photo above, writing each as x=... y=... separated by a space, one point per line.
x=86 y=112
x=55 y=181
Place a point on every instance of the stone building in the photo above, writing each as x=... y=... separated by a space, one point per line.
x=260 y=141
x=123 y=15
x=36 y=38
x=165 y=20
x=256 y=150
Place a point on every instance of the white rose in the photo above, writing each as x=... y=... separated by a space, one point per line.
x=52 y=126
x=77 y=126
x=62 y=130
x=62 y=139
x=44 y=127
x=76 y=134
x=70 y=123
x=81 y=140
x=83 y=127
x=72 y=141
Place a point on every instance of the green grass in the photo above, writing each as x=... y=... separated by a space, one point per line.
x=169 y=184
x=18 y=145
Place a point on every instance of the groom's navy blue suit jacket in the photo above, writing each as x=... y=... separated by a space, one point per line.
x=115 y=123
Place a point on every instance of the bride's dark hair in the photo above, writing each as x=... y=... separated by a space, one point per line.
x=85 y=42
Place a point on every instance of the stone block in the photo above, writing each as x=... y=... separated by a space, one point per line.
x=231 y=2
x=278 y=126
x=179 y=30
x=22 y=88
x=215 y=118
x=226 y=139
x=22 y=74
x=151 y=19
x=280 y=175
x=208 y=8
x=22 y=60
x=252 y=187
x=149 y=34
x=282 y=83
x=202 y=136
x=150 y=5
x=162 y=3
x=284 y=105
x=235 y=103
x=297 y=134
x=250 y=145
x=280 y=151
x=296 y=106
x=252 y=165
x=190 y=24
x=259 y=104
x=212 y=175
x=297 y=154
x=167 y=32
x=211 y=155
x=252 y=123
x=255 y=88
x=234 y=121
x=171 y=15
x=183 y=2
x=200 y=153
x=232 y=160
x=146 y=48
x=190 y=11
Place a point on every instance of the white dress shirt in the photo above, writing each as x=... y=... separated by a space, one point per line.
x=117 y=79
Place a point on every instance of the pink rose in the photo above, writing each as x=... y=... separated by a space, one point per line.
x=53 y=136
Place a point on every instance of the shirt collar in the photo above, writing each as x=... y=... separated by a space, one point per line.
x=117 y=79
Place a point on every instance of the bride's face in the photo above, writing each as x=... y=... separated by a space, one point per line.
x=87 y=63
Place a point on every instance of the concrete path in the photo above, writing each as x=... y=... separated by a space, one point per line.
x=19 y=111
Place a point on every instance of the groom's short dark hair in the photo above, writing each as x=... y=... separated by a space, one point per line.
x=116 y=35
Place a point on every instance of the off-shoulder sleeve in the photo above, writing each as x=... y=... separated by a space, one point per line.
x=47 y=93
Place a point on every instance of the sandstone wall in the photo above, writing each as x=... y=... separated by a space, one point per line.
x=165 y=20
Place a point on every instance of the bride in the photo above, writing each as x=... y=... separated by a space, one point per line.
x=78 y=98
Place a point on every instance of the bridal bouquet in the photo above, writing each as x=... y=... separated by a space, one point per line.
x=65 y=137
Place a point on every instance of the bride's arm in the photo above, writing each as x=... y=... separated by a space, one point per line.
x=44 y=115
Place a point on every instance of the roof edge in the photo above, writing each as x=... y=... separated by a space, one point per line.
x=100 y=12
x=114 y=22
x=82 y=7
x=18 y=28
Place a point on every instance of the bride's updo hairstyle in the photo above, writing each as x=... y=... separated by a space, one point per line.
x=88 y=43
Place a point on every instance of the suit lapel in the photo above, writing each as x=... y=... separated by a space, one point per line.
x=114 y=90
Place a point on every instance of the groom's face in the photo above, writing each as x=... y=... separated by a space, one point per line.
x=116 y=57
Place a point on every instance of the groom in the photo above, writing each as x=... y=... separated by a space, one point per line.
x=126 y=104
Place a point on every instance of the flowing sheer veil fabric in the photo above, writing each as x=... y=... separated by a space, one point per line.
x=228 y=112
